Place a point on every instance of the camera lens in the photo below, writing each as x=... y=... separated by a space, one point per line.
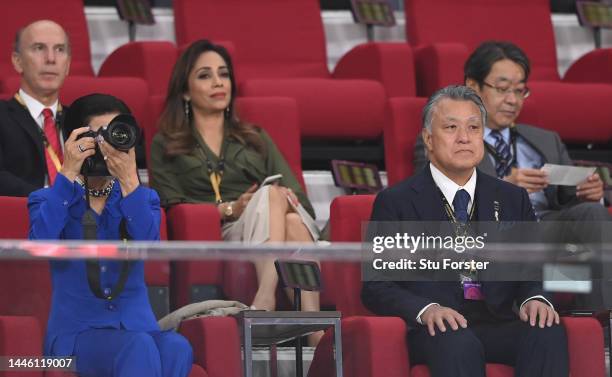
x=122 y=136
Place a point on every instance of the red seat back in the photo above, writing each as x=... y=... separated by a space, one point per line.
x=346 y=218
x=69 y=14
x=273 y=38
x=470 y=22
x=193 y=222
x=400 y=136
x=573 y=110
x=279 y=117
x=25 y=285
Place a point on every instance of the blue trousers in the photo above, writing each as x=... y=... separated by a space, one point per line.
x=123 y=353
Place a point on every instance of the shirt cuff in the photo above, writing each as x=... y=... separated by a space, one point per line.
x=418 y=317
x=540 y=297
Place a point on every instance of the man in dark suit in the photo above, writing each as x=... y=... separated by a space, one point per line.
x=498 y=72
x=451 y=332
x=30 y=142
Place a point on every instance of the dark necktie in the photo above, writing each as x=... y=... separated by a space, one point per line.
x=53 y=150
x=460 y=205
x=502 y=149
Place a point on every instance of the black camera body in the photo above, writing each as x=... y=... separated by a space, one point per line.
x=122 y=133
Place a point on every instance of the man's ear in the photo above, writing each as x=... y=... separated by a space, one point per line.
x=472 y=84
x=426 y=135
x=16 y=60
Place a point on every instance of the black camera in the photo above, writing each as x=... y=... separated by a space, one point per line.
x=122 y=133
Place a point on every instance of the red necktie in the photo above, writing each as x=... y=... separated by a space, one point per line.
x=53 y=146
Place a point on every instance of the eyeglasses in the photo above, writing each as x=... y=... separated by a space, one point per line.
x=520 y=93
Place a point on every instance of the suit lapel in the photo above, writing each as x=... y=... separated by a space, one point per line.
x=22 y=117
x=540 y=146
x=428 y=204
x=485 y=197
x=486 y=165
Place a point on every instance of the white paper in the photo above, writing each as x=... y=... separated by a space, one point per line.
x=564 y=175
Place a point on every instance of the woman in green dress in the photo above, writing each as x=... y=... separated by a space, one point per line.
x=204 y=153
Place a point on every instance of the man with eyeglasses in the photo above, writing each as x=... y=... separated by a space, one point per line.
x=498 y=72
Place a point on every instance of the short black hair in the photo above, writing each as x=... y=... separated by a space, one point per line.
x=479 y=64
x=84 y=108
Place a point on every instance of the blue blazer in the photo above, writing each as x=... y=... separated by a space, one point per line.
x=55 y=214
x=418 y=199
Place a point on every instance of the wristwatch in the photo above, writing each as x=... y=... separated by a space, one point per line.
x=229 y=210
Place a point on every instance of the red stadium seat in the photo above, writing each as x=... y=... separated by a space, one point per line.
x=296 y=61
x=347 y=216
x=151 y=61
x=279 y=117
x=401 y=133
x=69 y=13
x=194 y=222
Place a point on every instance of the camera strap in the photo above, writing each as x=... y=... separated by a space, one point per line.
x=90 y=232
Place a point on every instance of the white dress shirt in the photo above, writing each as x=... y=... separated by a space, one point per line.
x=35 y=107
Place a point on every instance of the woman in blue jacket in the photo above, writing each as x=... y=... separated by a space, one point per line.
x=100 y=311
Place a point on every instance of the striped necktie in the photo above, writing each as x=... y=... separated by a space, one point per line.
x=504 y=157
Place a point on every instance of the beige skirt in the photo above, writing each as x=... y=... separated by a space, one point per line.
x=253 y=226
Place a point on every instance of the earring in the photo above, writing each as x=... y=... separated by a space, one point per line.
x=186 y=108
x=227 y=112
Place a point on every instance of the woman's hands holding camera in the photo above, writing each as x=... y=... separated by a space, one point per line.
x=122 y=166
x=75 y=152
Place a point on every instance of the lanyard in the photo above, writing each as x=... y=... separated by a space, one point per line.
x=459 y=228
x=216 y=173
x=52 y=154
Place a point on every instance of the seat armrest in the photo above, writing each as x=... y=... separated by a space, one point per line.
x=585 y=346
x=371 y=347
x=593 y=67
x=216 y=345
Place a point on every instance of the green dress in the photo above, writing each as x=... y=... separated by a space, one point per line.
x=185 y=179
